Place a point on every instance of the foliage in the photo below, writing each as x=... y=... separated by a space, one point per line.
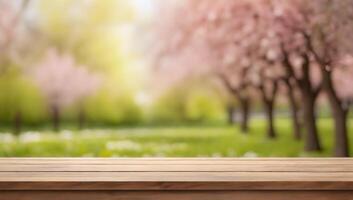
x=185 y=104
x=20 y=94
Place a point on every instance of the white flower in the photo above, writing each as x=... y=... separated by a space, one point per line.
x=123 y=145
x=66 y=135
x=29 y=137
x=6 y=138
x=163 y=148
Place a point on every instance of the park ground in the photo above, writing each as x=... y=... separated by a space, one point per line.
x=196 y=141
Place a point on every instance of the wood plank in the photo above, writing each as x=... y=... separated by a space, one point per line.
x=176 y=186
x=176 y=195
x=75 y=167
x=176 y=181
x=109 y=161
x=175 y=174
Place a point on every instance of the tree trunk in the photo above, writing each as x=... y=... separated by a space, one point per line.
x=340 y=114
x=56 y=118
x=312 y=142
x=244 y=101
x=309 y=95
x=245 y=109
x=81 y=118
x=295 y=120
x=17 y=128
x=268 y=96
x=341 y=133
x=294 y=112
x=271 y=133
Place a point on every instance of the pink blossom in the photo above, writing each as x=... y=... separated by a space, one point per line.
x=62 y=81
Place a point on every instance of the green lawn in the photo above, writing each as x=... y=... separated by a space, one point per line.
x=163 y=142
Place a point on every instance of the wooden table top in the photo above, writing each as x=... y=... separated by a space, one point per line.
x=175 y=174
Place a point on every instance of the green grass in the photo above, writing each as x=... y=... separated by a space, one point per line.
x=224 y=141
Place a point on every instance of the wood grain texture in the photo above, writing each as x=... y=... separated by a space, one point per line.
x=191 y=161
x=176 y=195
x=176 y=174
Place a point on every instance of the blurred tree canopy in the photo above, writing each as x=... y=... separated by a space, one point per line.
x=92 y=32
x=97 y=35
x=185 y=104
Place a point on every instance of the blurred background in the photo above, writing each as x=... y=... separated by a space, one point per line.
x=150 y=78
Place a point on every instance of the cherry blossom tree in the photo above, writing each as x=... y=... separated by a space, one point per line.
x=202 y=42
x=263 y=43
x=328 y=44
x=300 y=69
x=63 y=82
x=323 y=29
x=224 y=37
